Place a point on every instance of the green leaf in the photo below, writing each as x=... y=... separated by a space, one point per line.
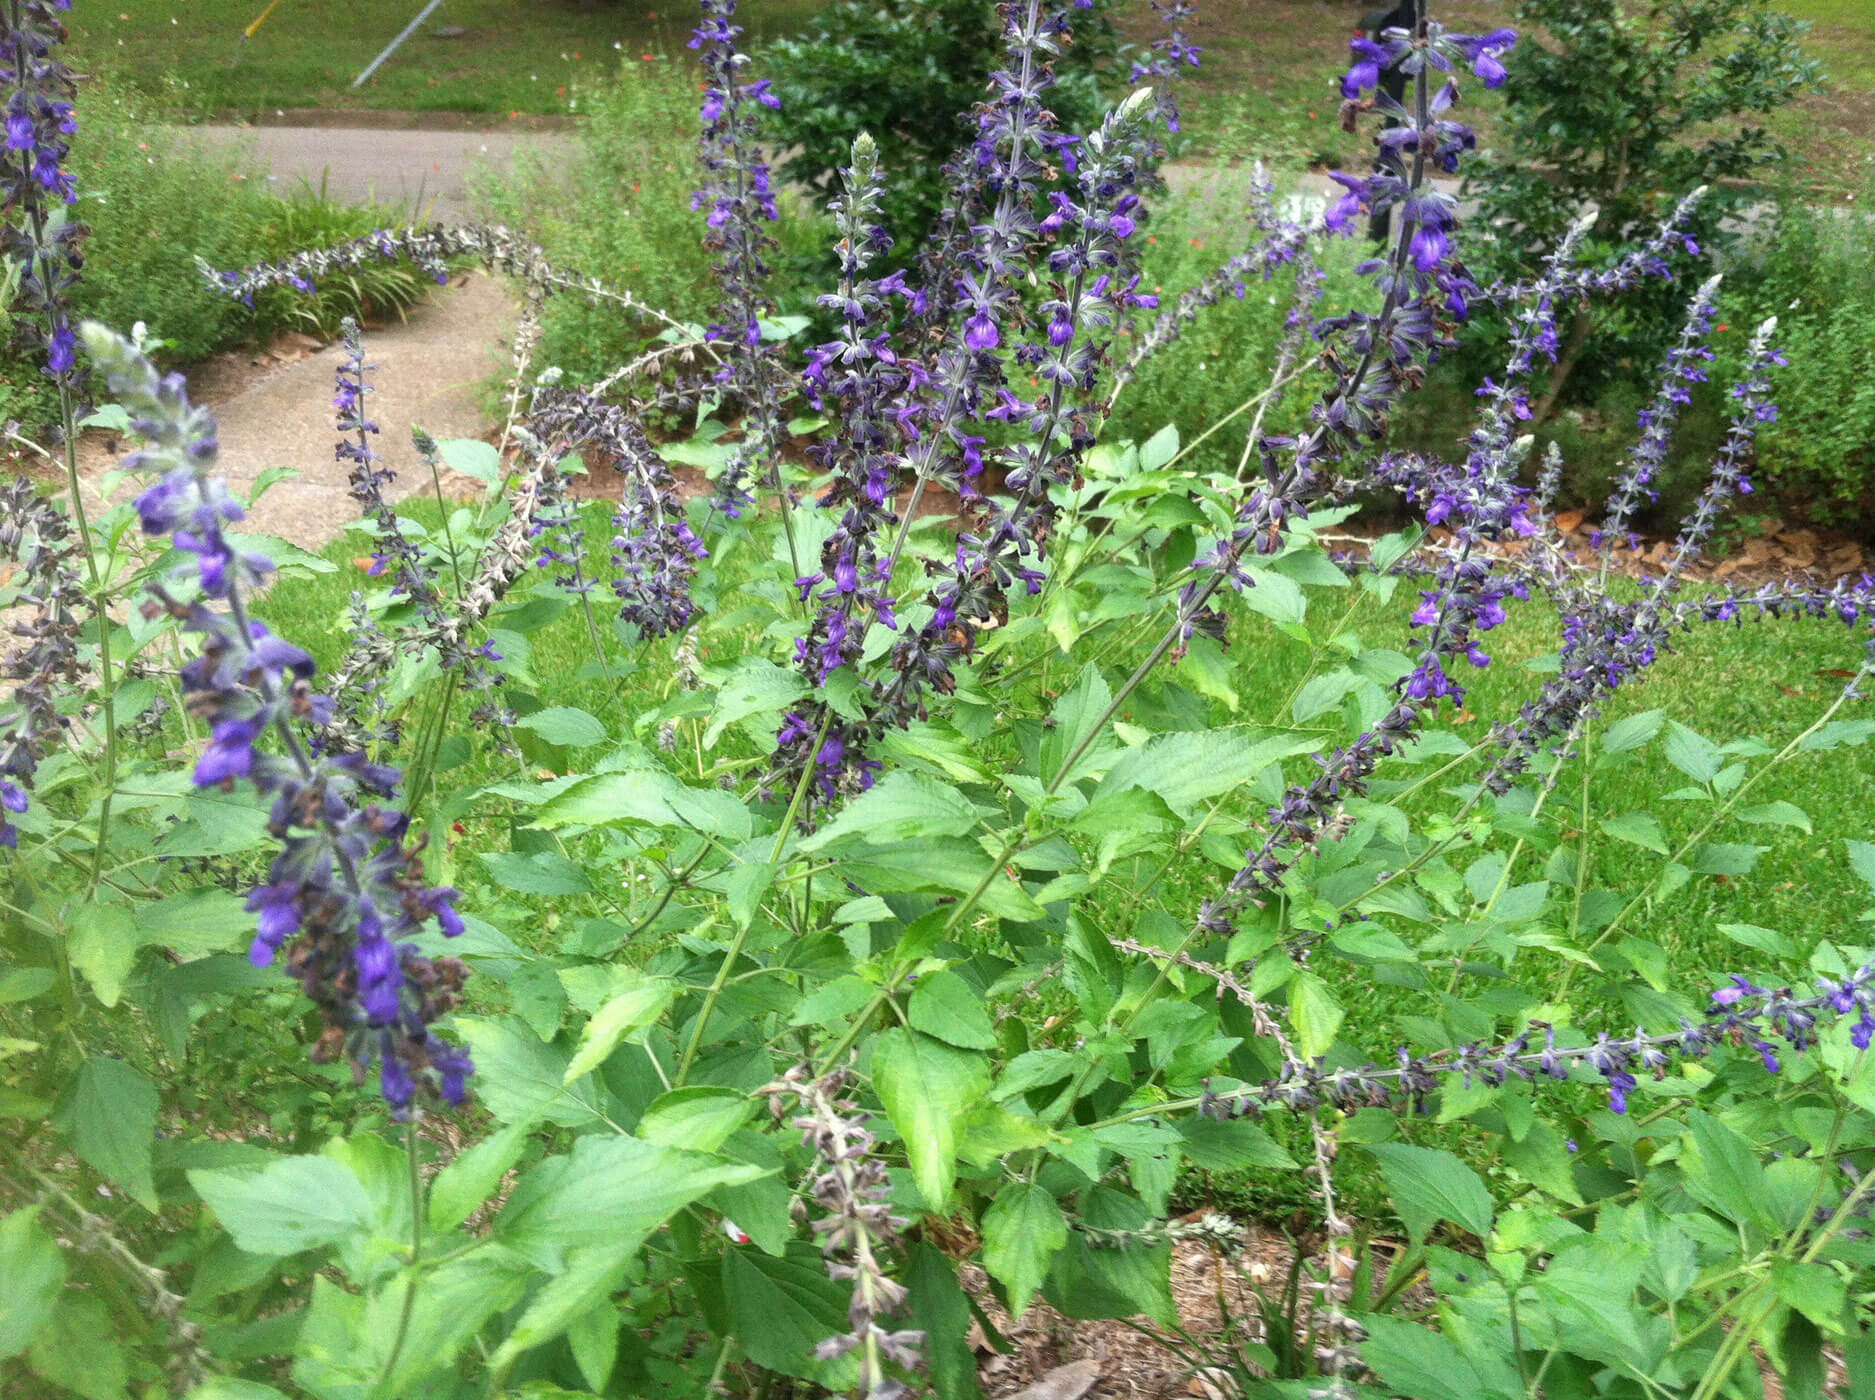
x=1693 y=753
x=25 y=983
x=296 y=1203
x=1159 y=449
x=1192 y=766
x=109 y=1113
x=1725 y=858
x=1639 y=829
x=1231 y=1144
x=1074 y=720
x=946 y=1006
x=543 y=872
x=472 y=458
x=941 y=1310
x=1428 y=1185
x=103 y=944
x=646 y=797
x=631 y=1010
x=1417 y=1362
x=1316 y=1014
x=593 y=1273
x=1776 y=814
x=1815 y=1290
x=607 y=1188
x=78 y=1351
x=564 y=725
x=926 y=1086
x=518 y=1079
x=34 y=1270
x=780 y=1310
x=757 y=686
x=460 y=1188
x=1722 y=1171
x=902 y=806
x=1862 y=860
x=940 y=865
x=700 y=1117
x=1023 y=1230
x=1763 y=939
x=1632 y=732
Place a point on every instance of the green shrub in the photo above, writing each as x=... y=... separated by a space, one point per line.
x=1818 y=278
x=1194 y=382
x=622 y=213
x=911 y=73
x=156 y=200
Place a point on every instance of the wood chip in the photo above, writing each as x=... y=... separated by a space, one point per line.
x=1068 y=1382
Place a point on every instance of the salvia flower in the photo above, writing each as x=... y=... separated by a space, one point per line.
x=43 y=663
x=1743 y=1015
x=346 y=895
x=34 y=184
x=861 y=381
x=655 y=550
x=739 y=197
x=857 y=1229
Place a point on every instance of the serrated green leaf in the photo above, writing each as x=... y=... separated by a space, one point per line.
x=607 y=1188
x=926 y=1087
x=901 y=806
x=564 y=725
x=109 y=1113
x=946 y=1006
x=1159 y=449
x=460 y=1188
x=700 y=1117
x=1316 y=1014
x=1023 y=1230
x=757 y=686
x=1429 y=1185
x=634 y=1007
x=294 y=1204
x=34 y=1269
x=103 y=945
x=1639 y=829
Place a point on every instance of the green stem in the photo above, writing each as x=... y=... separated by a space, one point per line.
x=734 y=951
x=416 y=1258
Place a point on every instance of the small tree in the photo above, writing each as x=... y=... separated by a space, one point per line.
x=1624 y=107
x=910 y=72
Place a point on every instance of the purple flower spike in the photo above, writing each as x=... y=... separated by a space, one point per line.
x=346 y=889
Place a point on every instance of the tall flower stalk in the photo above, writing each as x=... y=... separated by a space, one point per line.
x=346 y=893
x=35 y=193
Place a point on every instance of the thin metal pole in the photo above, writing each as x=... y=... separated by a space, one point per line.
x=391 y=47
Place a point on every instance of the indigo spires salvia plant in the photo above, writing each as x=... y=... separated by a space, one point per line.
x=739 y=196
x=654 y=550
x=371 y=654
x=1742 y=1015
x=43 y=663
x=35 y=187
x=1605 y=641
x=858 y=1228
x=346 y=893
x=861 y=381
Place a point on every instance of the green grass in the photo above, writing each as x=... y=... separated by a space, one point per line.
x=513 y=57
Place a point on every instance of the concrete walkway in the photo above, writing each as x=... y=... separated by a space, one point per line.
x=429 y=373
x=425 y=171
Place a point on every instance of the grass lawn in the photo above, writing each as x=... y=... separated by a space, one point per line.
x=513 y=56
x=1266 y=86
